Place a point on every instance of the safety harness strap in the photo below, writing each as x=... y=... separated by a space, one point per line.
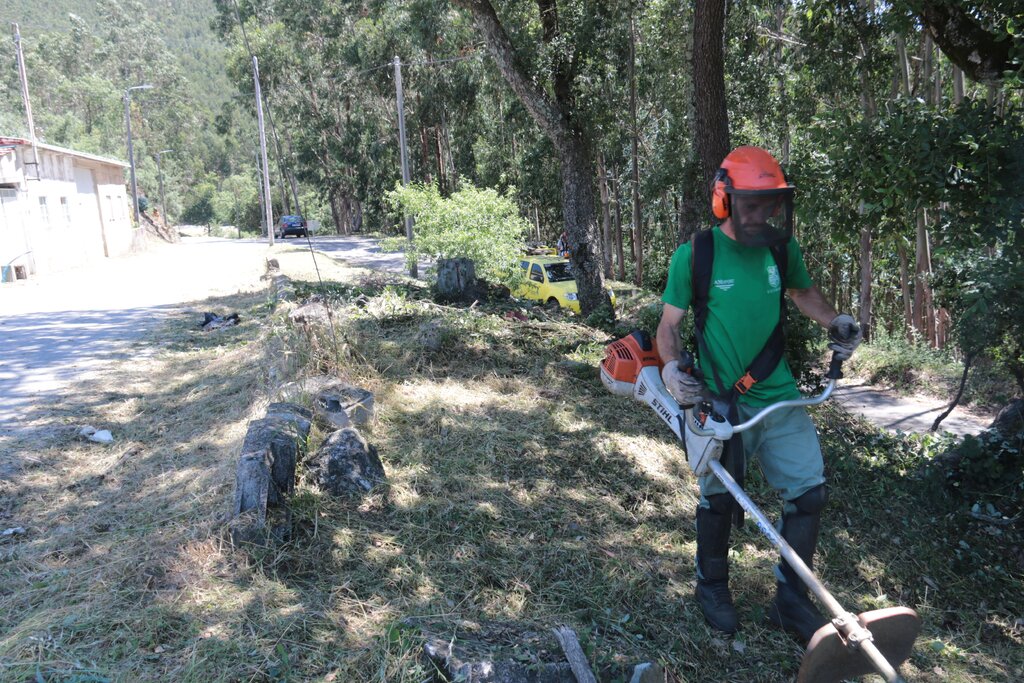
x=764 y=363
x=767 y=359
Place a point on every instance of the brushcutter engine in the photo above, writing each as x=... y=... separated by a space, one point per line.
x=632 y=367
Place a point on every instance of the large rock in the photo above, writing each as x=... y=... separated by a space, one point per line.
x=345 y=464
x=1010 y=419
x=340 y=401
x=330 y=396
x=313 y=312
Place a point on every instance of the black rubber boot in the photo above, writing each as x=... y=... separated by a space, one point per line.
x=713 y=564
x=792 y=609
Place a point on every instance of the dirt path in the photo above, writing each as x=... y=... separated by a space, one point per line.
x=916 y=414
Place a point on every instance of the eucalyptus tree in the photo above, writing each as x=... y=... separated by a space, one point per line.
x=984 y=38
x=541 y=51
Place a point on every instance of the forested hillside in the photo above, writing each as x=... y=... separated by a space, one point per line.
x=183 y=26
x=80 y=58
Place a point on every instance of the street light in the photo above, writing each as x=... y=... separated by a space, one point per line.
x=160 y=176
x=131 y=154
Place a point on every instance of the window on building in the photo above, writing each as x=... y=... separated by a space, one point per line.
x=44 y=211
x=65 y=207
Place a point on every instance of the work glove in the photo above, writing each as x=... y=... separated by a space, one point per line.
x=685 y=388
x=844 y=335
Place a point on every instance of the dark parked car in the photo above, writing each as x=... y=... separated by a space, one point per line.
x=291 y=225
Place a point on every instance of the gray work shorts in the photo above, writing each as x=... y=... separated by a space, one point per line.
x=786 y=446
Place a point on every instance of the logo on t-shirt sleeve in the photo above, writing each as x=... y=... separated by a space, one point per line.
x=774 y=281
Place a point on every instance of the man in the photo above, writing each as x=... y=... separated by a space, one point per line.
x=563 y=245
x=740 y=308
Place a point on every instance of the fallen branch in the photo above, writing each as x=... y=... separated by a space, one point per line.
x=574 y=654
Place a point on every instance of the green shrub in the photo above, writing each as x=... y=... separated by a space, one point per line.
x=990 y=464
x=479 y=224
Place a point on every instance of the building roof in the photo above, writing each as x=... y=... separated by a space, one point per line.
x=9 y=141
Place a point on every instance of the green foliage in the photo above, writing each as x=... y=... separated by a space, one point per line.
x=893 y=361
x=235 y=203
x=199 y=210
x=603 y=318
x=804 y=339
x=990 y=465
x=990 y=309
x=479 y=224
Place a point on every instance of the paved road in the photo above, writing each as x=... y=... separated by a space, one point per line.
x=362 y=251
x=66 y=327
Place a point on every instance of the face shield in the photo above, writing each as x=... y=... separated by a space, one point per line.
x=761 y=218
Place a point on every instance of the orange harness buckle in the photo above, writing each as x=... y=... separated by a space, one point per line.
x=744 y=383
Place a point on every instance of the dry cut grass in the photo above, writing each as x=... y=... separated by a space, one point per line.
x=518 y=492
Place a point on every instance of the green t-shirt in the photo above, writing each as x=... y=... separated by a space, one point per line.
x=743 y=309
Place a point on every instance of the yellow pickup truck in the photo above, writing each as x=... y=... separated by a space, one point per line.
x=549 y=280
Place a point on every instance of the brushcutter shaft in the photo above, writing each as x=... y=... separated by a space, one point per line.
x=847 y=624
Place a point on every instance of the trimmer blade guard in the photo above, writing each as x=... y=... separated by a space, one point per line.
x=829 y=660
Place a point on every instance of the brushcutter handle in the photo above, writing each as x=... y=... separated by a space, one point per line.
x=688 y=364
x=833 y=374
x=835 y=368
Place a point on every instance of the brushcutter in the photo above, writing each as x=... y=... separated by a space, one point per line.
x=851 y=644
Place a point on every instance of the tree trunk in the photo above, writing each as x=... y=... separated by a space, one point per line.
x=711 y=117
x=926 y=66
x=620 y=254
x=357 y=217
x=638 y=233
x=332 y=199
x=780 y=22
x=606 y=219
x=680 y=222
x=439 y=161
x=908 y=310
x=924 y=317
x=958 y=85
x=865 y=282
x=903 y=64
x=346 y=213
x=451 y=176
x=556 y=118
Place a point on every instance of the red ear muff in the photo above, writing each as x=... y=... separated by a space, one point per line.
x=719 y=198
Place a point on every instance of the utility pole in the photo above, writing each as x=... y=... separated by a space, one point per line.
x=404 y=152
x=23 y=76
x=263 y=153
x=160 y=177
x=131 y=153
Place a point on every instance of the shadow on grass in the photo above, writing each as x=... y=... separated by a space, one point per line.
x=518 y=491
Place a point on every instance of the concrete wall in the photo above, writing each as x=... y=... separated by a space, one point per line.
x=74 y=213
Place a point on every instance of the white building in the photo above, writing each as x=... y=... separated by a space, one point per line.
x=68 y=209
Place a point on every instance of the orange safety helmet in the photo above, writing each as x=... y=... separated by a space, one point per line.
x=754 y=178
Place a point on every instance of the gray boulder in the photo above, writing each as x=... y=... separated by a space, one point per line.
x=345 y=464
x=1010 y=419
